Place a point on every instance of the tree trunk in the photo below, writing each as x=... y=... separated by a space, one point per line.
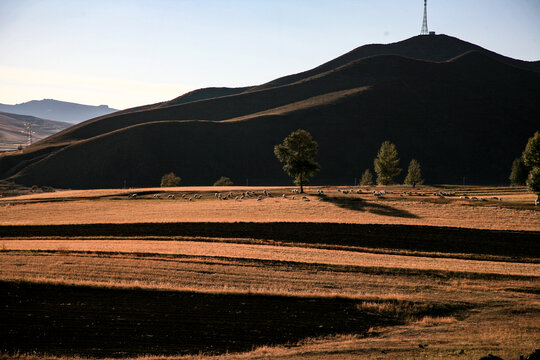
x=301 y=184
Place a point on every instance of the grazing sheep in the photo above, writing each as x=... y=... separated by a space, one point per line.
x=259 y=198
x=537 y=201
x=292 y=197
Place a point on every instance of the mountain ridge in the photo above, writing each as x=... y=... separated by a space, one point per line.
x=57 y=110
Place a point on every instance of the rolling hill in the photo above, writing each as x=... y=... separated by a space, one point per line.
x=464 y=112
x=13 y=130
x=58 y=110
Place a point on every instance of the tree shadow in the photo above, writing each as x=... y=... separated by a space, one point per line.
x=358 y=204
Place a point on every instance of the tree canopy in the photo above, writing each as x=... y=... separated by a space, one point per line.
x=386 y=163
x=533 y=181
x=531 y=155
x=298 y=151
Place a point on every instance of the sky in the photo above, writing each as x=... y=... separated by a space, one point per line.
x=126 y=53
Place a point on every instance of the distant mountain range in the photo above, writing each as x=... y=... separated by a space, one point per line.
x=462 y=111
x=58 y=110
x=13 y=130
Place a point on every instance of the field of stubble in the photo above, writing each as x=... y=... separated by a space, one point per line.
x=100 y=273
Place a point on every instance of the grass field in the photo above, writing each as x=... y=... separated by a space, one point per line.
x=433 y=277
x=516 y=211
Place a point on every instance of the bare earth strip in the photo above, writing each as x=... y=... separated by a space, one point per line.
x=278 y=253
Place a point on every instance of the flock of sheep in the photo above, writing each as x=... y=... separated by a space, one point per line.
x=245 y=195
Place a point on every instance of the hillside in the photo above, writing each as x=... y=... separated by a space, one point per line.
x=13 y=130
x=58 y=110
x=462 y=115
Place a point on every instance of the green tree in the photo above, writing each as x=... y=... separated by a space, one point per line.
x=414 y=174
x=519 y=173
x=367 y=178
x=531 y=155
x=223 y=181
x=170 y=180
x=298 y=152
x=386 y=163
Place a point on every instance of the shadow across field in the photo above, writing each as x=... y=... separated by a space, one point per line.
x=405 y=237
x=358 y=204
x=104 y=322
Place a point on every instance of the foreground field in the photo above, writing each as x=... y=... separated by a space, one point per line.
x=88 y=274
x=515 y=211
x=128 y=297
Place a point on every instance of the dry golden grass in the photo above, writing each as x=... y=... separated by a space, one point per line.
x=113 y=206
x=278 y=253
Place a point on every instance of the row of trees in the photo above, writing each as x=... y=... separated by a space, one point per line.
x=298 y=152
x=526 y=168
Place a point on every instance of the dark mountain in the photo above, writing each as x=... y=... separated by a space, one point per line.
x=58 y=110
x=432 y=48
x=467 y=116
x=13 y=129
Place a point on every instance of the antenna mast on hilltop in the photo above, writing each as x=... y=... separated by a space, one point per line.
x=28 y=126
x=424 y=30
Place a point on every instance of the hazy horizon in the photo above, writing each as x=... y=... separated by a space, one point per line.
x=129 y=53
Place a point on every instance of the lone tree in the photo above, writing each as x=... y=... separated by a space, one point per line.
x=519 y=173
x=298 y=152
x=367 y=178
x=414 y=174
x=170 y=180
x=386 y=163
x=223 y=181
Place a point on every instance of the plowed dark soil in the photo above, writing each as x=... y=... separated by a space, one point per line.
x=100 y=322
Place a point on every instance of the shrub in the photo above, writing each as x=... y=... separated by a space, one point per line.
x=170 y=180
x=223 y=181
x=367 y=178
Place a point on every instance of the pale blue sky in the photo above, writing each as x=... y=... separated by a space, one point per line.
x=129 y=53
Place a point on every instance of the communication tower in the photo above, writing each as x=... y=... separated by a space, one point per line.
x=28 y=127
x=424 y=30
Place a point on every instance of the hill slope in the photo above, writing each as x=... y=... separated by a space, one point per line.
x=58 y=110
x=467 y=117
x=13 y=130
